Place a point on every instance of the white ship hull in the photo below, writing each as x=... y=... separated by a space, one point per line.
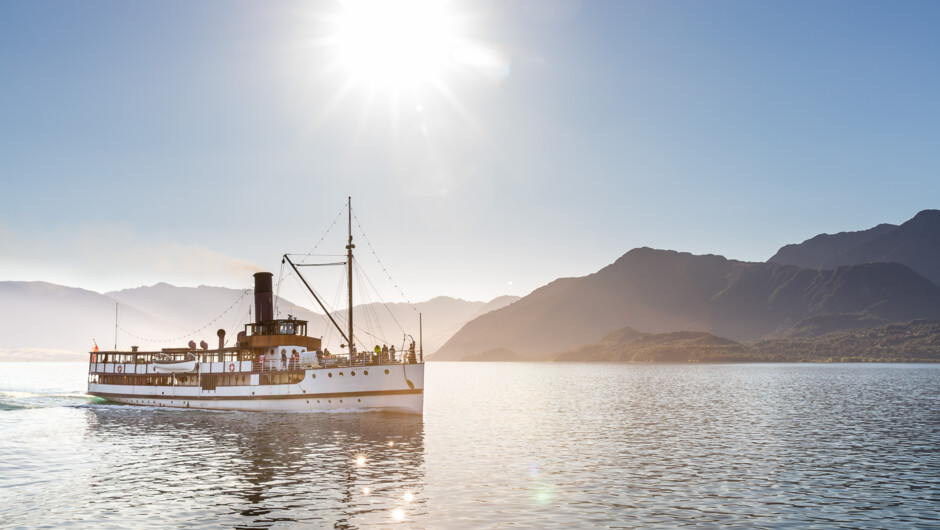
x=320 y=390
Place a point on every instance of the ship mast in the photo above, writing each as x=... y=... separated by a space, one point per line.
x=349 y=262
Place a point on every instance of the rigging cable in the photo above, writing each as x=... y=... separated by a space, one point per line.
x=382 y=265
x=277 y=292
x=367 y=303
x=389 y=276
x=190 y=334
x=310 y=253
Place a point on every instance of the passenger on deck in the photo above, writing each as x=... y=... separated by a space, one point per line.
x=391 y=353
x=385 y=353
x=283 y=365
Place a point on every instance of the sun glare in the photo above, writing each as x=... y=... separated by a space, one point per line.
x=396 y=43
x=421 y=59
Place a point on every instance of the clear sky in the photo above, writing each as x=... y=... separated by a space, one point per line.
x=490 y=146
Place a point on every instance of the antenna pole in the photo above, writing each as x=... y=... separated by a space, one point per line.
x=115 y=324
x=421 y=336
x=349 y=262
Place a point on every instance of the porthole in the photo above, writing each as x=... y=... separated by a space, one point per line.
x=386 y=372
x=330 y=374
x=308 y=401
x=313 y=375
x=318 y=401
x=341 y=401
x=252 y=393
x=341 y=373
x=359 y=401
x=352 y=373
x=329 y=401
x=304 y=391
x=365 y=372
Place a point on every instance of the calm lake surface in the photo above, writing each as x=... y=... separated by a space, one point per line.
x=500 y=445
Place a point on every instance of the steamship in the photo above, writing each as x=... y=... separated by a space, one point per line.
x=273 y=366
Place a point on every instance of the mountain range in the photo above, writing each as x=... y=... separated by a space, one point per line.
x=44 y=321
x=831 y=283
x=915 y=243
x=871 y=283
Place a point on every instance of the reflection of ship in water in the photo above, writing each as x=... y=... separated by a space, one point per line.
x=237 y=469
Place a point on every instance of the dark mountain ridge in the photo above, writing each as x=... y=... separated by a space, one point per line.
x=915 y=243
x=816 y=251
x=661 y=291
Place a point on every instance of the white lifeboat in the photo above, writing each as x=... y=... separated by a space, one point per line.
x=167 y=365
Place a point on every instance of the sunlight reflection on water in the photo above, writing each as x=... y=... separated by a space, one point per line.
x=500 y=444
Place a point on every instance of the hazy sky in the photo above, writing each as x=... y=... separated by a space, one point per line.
x=490 y=147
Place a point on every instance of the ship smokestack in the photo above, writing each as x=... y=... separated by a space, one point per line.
x=221 y=335
x=264 y=297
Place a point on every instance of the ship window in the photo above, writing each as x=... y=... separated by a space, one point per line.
x=341 y=373
x=365 y=372
x=352 y=373
x=330 y=374
x=386 y=371
x=314 y=375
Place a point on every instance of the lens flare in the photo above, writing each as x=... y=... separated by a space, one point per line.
x=398 y=514
x=360 y=460
x=366 y=491
x=409 y=496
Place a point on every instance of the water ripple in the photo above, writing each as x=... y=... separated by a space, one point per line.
x=500 y=445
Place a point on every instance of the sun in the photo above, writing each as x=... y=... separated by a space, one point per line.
x=400 y=43
x=422 y=60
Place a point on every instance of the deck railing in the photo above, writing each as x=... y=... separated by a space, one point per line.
x=254 y=366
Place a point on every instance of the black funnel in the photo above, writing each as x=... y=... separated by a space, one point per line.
x=264 y=297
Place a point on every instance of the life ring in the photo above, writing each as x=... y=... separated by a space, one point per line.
x=120 y=369
x=231 y=367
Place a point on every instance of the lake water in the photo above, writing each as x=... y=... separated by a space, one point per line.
x=499 y=445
